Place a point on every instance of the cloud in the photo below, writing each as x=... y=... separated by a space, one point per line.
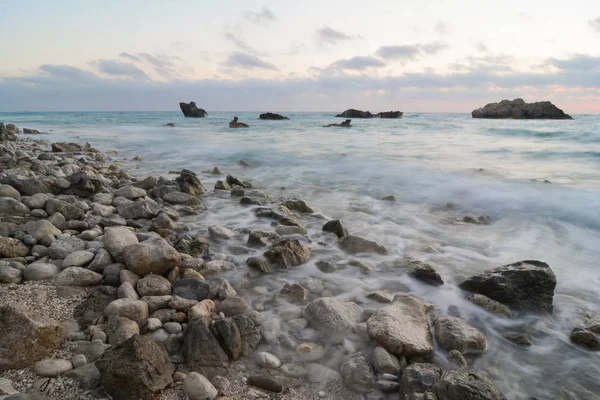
x=65 y=73
x=409 y=52
x=264 y=16
x=358 y=63
x=481 y=47
x=161 y=64
x=441 y=29
x=121 y=69
x=578 y=63
x=248 y=61
x=328 y=35
x=130 y=57
x=595 y=24
x=237 y=41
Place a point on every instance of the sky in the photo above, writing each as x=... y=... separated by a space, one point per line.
x=234 y=55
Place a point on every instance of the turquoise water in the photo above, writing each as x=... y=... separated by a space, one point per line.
x=426 y=161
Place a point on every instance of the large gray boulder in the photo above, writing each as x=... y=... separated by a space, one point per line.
x=136 y=369
x=519 y=109
x=152 y=256
x=523 y=286
x=190 y=110
x=26 y=337
x=402 y=328
x=332 y=315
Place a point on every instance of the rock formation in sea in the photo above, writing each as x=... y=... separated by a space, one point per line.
x=345 y=124
x=273 y=116
x=390 y=114
x=353 y=113
x=519 y=109
x=192 y=111
x=235 y=124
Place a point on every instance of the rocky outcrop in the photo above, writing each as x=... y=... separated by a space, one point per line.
x=519 y=109
x=402 y=328
x=235 y=124
x=523 y=286
x=273 y=116
x=192 y=111
x=26 y=338
x=353 y=113
x=390 y=114
x=136 y=369
x=345 y=124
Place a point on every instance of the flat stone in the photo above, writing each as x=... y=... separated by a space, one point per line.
x=266 y=382
x=78 y=259
x=52 y=367
x=75 y=276
x=333 y=315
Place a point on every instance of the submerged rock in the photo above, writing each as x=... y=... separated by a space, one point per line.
x=463 y=385
x=453 y=333
x=422 y=271
x=333 y=315
x=336 y=227
x=346 y=124
x=357 y=373
x=235 y=124
x=191 y=110
x=519 y=109
x=288 y=253
x=585 y=338
x=189 y=183
x=272 y=116
x=355 y=244
x=523 y=286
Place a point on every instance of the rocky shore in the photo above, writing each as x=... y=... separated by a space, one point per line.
x=106 y=291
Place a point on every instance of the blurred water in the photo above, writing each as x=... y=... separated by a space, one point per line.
x=426 y=161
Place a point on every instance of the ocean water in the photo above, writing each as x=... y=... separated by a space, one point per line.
x=440 y=167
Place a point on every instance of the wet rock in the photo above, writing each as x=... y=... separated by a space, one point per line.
x=264 y=212
x=422 y=271
x=298 y=205
x=225 y=290
x=202 y=350
x=267 y=360
x=461 y=385
x=385 y=362
x=228 y=334
x=330 y=314
x=146 y=183
x=64 y=147
x=153 y=285
x=355 y=245
x=336 y=227
x=490 y=305
x=266 y=383
x=195 y=247
x=326 y=267
x=220 y=185
x=155 y=256
x=288 y=253
x=233 y=306
x=262 y=238
x=294 y=293
x=136 y=369
x=177 y=197
x=10 y=207
x=519 y=109
x=197 y=387
x=402 y=328
x=65 y=246
x=457 y=357
x=190 y=110
x=585 y=338
x=135 y=310
x=204 y=309
x=523 y=286
x=453 y=333
x=75 y=276
x=419 y=379
x=357 y=373
x=249 y=201
x=12 y=248
x=26 y=337
x=237 y=191
x=189 y=183
x=140 y=209
x=520 y=339
x=220 y=232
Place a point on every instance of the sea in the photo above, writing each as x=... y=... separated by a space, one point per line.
x=538 y=181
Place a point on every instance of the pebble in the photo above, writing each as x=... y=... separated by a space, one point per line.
x=266 y=382
x=173 y=327
x=267 y=360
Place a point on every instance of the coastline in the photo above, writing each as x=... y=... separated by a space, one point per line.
x=289 y=218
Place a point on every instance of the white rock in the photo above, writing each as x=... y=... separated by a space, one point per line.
x=197 y=387
x=267 y=360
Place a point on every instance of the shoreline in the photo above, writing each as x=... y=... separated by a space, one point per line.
x=300 y=343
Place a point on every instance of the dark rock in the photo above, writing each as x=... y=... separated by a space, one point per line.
x=355 y=244
x=262 y=238
x=202 y=350
x=523 y=286
x=297 y=205
x=195 y=247
x=189 y=183
x=353 y=113
x=519 y=109
x=466 y=385
x=249 y=201
x=337 y=227
x=249 y=332
x=228 y=334
x=87 y=377
x=422 y=271
x=192 y=289
x=192 y=111
x=272 y=116
x=233 y=181
x=288 y=253
x=266 y=382
x=260 y=264
x=585 y=338
x=136 y=369
x=31 y=186
x=419 y=378
x=346 y=124
x=64 y=147
x=235 y=124
x=265 y=212
x=390 y=114
x=85 y=184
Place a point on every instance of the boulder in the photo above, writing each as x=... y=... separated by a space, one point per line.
x=76 y=276
x=453 y=333
x=10 y=207
x=585 y=338
x=85 y=184
x=26 y=337
x=273 y=116
x=154 y=256
x=288 y=253
x=355 y=245
x=357 y=373
x=64 y=147
x=190 y=183
x=78 y=259
x=135 y=310
x=390 y=114
x=523 y=286
x=12 y=248
x=337 y=227
x=463 y=385
x=190 y=110
x=202 y=350
x=298 y=205
x=332 y=315
x=402 y=328
x=116 y=239
x=353 y=113
x=519 y=109
x=40 y=271
x=136 y=369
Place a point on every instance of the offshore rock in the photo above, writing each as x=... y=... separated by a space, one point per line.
x=191 y=110
x=519 y=109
